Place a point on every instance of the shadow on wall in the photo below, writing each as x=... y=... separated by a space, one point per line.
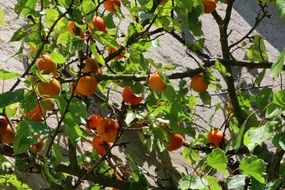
x=272 y=29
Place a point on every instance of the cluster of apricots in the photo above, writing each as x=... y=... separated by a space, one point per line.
x=107 y=131
x=6 y=133
x=199 y=83
x=216 y=137
x=175 y=140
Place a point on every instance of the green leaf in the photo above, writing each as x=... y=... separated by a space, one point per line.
x=206 y=98
x=50 y=16
x=25 y=135
x=7 y=75
x=254 y=167
x=222 y=69
x=8 y=98
x=72 y=128
x=10 y=181
x=97 y=56
x=279 y=141
x=192 y=182
x=256 y=136
x=57 y=57
x=217 y=159
x=280 y=4
x=257 y=51
x=236 y=182
x=278 y=64
x=279 y=98
x=213 y=183
x=25 y=7
x=18 y=35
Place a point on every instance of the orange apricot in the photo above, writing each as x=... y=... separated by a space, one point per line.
x=71 y=27
x=86 y=85
x=93 y=121
x=110 y=5
x=49 y=89
x=99 y=23
x=90 y=65
x=209 y=6
x=118 y=57
x=3 y=121
x=35 y=114
x=199 y=83
x=108 y=130
x=130 y=97
x=156 y=83
x=100 y=146
x=46 y=65
x=6 y=135
x=216 y=137
x=176 y=142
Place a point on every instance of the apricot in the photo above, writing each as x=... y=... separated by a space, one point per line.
x=6 y=135
x=46 y=65
x=100 y=146
x=47 y=104
x=216 y=137
x=35 y=148
x=3 y=121
x=209 y=6
x=94 y=120
x=110 y=5
x=35 y=114
x=49 y=89
x=99 y=23
x=199 y=83
x=130 y=97
x=176 y=142
x=86 y=85
x=108 y=130
x=118 y=57
x=71 y=27
x=156 y=83
x=91 y=65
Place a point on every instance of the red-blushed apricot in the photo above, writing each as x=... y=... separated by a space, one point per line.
x=156 y=83
x=86 y=85
x=216 y=137
x=209 y=6
x=130 y=97
x=110 y=5
x=46 y=65
x=94 y=120
x=99 y=23
x=118 y=57
x=3 y=121
x=90 y=65
x=108 y=130
x=100 y=146
x=199 y=83
x=71 y=27
x=49 y=89
x=6 y=135
x=176 y=142
x=35 y=114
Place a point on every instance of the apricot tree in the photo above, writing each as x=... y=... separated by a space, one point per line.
x=85 y=50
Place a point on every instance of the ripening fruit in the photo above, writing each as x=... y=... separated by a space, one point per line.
x=209 y=6
x=108 y=130
x=99 y=23
x=49 y=89
x=216 y=137
x=176 y=142
x=47 y=104
x=100 y=146
x=94 y=120
x=35 y=114
x=110 y=5
x=35 y=148
x=6 y=135
x=71 y=27
x=3 y=121
x=199 y=83
x=118 y=57
x=156 y=83
x=130 y=97
x=46 y=65
x=90 y=65
x=86 y=85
